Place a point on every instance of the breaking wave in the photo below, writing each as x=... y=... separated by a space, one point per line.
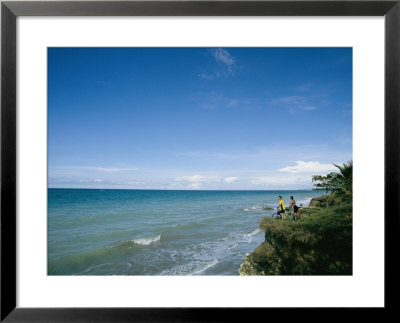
x=304 y=202
x=259 y=208
x=146 y=241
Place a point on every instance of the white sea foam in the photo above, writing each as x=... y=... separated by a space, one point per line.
x=191 y=268
x=204 y=267
x=234 y=239
x=258 y=208
x=253 y=233
x=253 y=208
x=305 y=202
x=233 y=246
x=147 y=241
x=249 y=236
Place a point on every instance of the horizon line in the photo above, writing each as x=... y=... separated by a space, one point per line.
x=194 y=190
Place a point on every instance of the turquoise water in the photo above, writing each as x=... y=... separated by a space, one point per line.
x=150 y=232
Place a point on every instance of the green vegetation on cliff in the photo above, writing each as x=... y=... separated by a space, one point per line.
x=320 y=243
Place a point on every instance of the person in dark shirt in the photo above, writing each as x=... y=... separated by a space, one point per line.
x=295 y=208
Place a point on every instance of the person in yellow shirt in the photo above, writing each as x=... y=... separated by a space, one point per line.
x=282 y=207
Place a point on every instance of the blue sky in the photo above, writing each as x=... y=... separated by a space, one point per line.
x=197 y=118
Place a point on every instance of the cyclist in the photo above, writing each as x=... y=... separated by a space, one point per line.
x=281 y=207
x=295 y=208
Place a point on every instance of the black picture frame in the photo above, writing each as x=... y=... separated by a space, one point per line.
x=10 y=10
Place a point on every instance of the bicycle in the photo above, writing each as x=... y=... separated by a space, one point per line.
x=288 y=215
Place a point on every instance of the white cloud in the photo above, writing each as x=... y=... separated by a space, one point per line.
x=196 y=181
x=263 y=171
x=195 y=185
x=98 y=168
x=278 y=181
x=193 y=178
x=230 y=179
x=111 y=169
x=222 y=55
x=308 y=167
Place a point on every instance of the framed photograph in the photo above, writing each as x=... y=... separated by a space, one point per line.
x=162 y=158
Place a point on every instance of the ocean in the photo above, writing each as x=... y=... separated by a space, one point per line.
x=157 y=232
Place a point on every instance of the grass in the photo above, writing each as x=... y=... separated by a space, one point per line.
x=319 y=243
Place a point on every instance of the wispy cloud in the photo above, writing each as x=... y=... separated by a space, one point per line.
x=308 y=167
x=227 y=65
x=265 y=169
x=215 y=100
x=206 y=76
x=263 y=154
x=210 y=100
x=226 y=155
x=109 y=169
x=91 y=176
x=192 y=178
x=274 y=157
x=197 y=181
x=297 y=102
x=232 y=103
x=292 y=100
x=95 y=169
x=280 y=181
x=222 y=55
x=252 y=178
